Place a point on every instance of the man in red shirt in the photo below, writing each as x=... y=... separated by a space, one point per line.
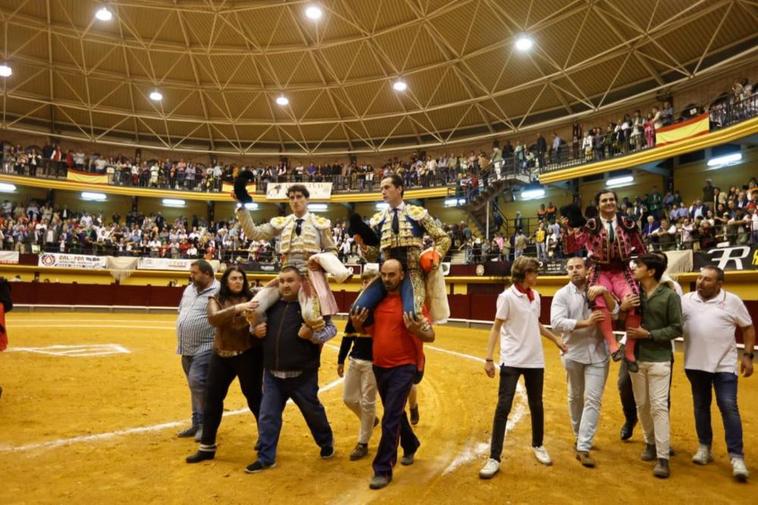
x=398 y=357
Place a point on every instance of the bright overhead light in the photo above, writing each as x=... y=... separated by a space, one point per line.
x=524 y=43
x=5 y=70
x=726 y=160
x=533 y=194
x=454 y=202
x=6 y=187
x=173 y=202
x=313 y=12
x=316 y=207
x=156 y=96
x=94 y=197
x=615 y=182
x=282 y=100
x=399 y=85
x=104 y=14
x=249 y=206
x=382 y=206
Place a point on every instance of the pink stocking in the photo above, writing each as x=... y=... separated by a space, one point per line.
x=633 y=320
x=606 y=327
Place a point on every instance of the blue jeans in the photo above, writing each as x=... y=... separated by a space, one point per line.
x=375 y=292
x=196 y=370
x=725 y=385
x=304 y=392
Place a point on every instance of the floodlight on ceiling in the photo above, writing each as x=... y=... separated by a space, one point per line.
x=104 y=14
x=94 y=197
x=313 y=12
x=399 y=85
x=532 y=191
x=524 y=43
x=173 y=202
x=156 y=96
x=382 y=206
x=282 y=100
x=6 y=187
x=317 y=207
x=5 y=70
x=724 y=161
x=249 y=206
x=617 y=182
x=455 y=202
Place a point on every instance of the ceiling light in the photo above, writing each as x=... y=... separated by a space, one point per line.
x=532 y=192
x=454 y=202
x=313 y=12
x=6 y=187
x=249 y=206
x=5 y=70
x=94 y=197
x=726 y=160
x=615 y=182
x=156 y=96
x=173 y=202
x=282 y=100
x=399 y=85
x=104 y=14
x=524 y=43
x=316 y=207
x=382 y=206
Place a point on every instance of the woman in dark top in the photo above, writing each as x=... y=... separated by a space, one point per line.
x=236 y=353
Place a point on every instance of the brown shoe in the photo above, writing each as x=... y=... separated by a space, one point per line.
x=585 y=459
x=360 y=451
x=661 y=469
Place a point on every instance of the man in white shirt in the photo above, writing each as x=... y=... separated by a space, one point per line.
x=586 y=360
x=711 y=316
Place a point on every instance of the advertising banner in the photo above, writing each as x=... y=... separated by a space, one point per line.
x=71 y=261
x=317 y=190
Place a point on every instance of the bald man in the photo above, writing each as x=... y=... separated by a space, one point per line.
x=397 y=352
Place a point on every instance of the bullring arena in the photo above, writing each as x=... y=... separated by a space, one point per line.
x=133 y=132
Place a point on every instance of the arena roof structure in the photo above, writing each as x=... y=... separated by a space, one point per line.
x=224 y=66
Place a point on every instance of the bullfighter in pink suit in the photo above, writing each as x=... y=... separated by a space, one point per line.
x=611 y=240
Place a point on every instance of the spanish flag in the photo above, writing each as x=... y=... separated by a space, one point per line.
x=77 y=176
x=693 y=127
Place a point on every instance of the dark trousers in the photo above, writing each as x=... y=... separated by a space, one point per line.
x=725 y=385
x=248 y=367
x=533 y=379
x=625 y=393
x=304 y=392
x=394 y=385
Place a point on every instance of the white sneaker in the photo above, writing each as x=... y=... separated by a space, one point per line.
x=489 y=469
x=703 y=455
x=542 y=456
x=739 y=470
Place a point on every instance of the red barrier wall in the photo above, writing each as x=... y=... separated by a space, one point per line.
x=479 y=304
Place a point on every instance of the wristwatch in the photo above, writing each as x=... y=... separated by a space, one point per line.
x=748 y=354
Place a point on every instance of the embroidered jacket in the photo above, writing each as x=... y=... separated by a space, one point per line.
x=594 y=236
x=315 y=235
x=413 y=222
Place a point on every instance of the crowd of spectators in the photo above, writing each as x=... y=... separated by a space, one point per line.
x=719 y=217
x=470 y=172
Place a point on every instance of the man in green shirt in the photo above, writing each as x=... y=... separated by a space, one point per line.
x=661 y=323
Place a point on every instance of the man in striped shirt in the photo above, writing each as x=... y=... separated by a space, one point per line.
x=195 y=339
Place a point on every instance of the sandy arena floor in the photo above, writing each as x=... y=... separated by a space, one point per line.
x=97 y=425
